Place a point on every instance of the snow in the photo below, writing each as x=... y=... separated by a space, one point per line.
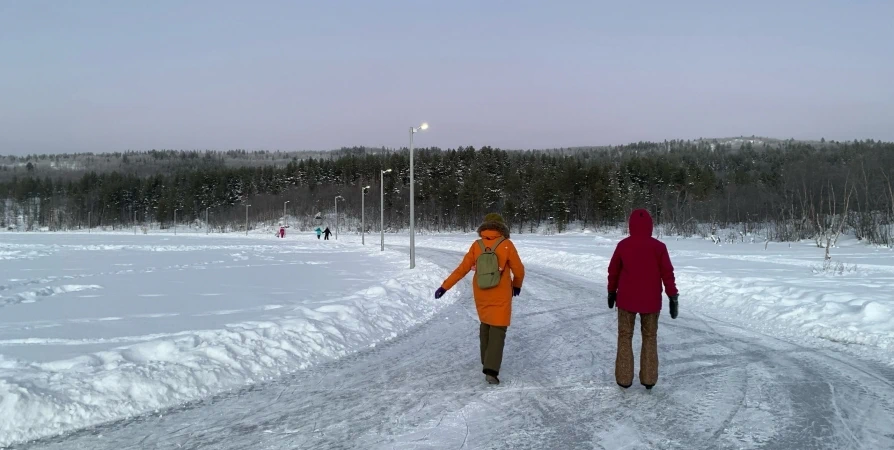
x=100 y=327
x=782 y=289
x=95 y=327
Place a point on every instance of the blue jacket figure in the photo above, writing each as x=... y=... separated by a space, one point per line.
x=319 y=232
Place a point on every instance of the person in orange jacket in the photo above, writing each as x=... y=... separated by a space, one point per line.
x=494 y=301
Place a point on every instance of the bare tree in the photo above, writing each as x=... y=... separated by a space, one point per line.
x=889 y=228
x=831 y=225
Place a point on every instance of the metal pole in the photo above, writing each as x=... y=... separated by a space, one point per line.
x=412 y=207
x=382 y=208
x=336 y=218
x=134 y=221
x=89 y=214
x=246 y=219
x=362 y=216
x=175 y=222
x=207 y=225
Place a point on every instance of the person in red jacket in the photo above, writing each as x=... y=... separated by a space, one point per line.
x=637 y=269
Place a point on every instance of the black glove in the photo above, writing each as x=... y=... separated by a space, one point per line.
x=440 y=292
x=612 y=298
x=673 y=305
x=516 y=291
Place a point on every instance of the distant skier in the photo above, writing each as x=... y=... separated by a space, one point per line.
x=319 y=232
x=637 y=269
x=493 y=288
x=326 y=234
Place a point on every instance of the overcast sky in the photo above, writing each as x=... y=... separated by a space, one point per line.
x=114 y=75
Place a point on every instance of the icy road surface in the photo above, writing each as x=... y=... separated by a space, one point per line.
x=721 y=386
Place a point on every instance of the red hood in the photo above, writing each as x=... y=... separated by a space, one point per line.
x=640 y=223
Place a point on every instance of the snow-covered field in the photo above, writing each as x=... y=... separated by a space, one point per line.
x=99 y=327
x=785 y=289
x=95 y=327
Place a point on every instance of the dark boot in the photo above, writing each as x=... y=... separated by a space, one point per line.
x=491 y=377
x=625 y=386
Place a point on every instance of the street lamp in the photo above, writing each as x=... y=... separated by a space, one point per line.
x=175 y=220
x=207 y=225
x=89 y=221
x=337 y=198
x=134 y=221
x=284 y=211
x=382 y=209
x=246 y=219
x=413 y=131
x=362 y=214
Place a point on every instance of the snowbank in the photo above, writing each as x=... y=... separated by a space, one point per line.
x=43 y=398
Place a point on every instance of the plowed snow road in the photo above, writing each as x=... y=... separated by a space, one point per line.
x=721 y=386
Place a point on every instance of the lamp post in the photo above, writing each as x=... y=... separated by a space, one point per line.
x=135 y=221
x=246 y=219
x=284 y=211
x=175 y=221
x=382 y=208
x=337 y=198
x=207 y=225
x=413 y=131
x=89 y=214
x=363 y=214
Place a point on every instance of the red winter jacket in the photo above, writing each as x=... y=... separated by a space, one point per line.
x=638 y=267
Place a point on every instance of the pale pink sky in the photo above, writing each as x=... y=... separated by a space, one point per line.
x=112 y=75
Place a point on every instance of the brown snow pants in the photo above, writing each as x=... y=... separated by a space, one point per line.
x=648 y=362
x=492 y=340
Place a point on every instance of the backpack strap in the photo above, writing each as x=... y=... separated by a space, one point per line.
x=499 y=241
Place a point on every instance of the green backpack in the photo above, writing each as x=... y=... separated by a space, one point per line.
x=487 y=267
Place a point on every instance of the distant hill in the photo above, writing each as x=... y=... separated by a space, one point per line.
x=146 y=163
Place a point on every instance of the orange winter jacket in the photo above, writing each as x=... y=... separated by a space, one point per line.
x=494 y=305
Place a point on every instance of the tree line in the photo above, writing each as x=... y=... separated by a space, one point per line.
x=783 y=190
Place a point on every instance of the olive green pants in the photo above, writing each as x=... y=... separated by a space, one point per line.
x=492 y=340
x=648 y=357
